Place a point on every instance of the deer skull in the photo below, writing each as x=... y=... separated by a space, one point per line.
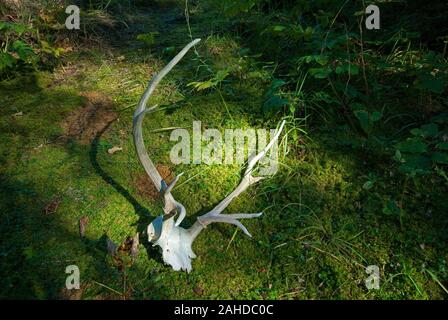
x=174 y=240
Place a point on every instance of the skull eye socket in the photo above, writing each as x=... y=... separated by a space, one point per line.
x=151 y=232
x=154 y=229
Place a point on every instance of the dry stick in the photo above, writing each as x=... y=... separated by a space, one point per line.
x=331 y=25
x=363 y=63
x=109 y=288
x=344 y=106
x=349 y=62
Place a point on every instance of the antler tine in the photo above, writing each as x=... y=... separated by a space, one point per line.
x=170 y=203
x=215 y=214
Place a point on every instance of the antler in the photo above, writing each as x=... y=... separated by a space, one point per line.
x=171 y=206
x=176 y=241
x=248 y=179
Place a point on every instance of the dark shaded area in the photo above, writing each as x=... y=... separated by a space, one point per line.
x=145 y=216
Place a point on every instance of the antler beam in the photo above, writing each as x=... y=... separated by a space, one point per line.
x=170 y=203
x=174 y=240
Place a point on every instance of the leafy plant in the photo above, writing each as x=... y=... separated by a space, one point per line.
x=273 y=99
x=148 y=39
x=216 y=80
x=425 y=150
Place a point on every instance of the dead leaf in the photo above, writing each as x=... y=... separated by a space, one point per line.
x=52 y=206
x=114 y=149
x=198 y=290
x=134 y=248
x=126 y=246
x=82 y=225
x=121 y=58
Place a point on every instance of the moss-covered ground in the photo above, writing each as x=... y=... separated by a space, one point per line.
x=320 y=228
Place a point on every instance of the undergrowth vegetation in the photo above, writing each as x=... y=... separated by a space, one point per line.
x=363 y=159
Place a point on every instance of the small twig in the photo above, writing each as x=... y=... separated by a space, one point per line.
x=109 y=288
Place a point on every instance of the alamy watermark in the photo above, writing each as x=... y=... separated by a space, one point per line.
x=210 y=146
x=373 y=20
x=73 y=280
x=73 y=21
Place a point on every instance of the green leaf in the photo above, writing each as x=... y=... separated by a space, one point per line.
x=417 y=132
x=442 y=146
x=24 y=51
x=363 y=118
x=416 y=164
x=201 y=85
x=430 y=130
x=322 y=60
x=16 y=28
x=309 y=30
x=28 y=252
x=351 y=69
x=320 y=73
x=368 y=185
x=221 y=75
x=278 y=28
x=376 y=116
x=431 y=83
x=441 y=118
x=413 y=145
x=6 y=60
x=148 y=39
x=440 y=157
x=339 y=69
x=391 y=208
x=397 y=155
x=274 y=103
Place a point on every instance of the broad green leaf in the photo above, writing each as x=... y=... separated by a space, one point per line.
x=376 y=116
x=431 y=83
x=416 y=164
x=274 y=103
x=339 y=70
x=322 y=60
x=352 y=69
x=320 y=73
x=440 y=157
x=442 y=146
x=277 y=83
x=363 y=118
x=441 y=118
x=430 y=130
x=413 y=145
x=417 y=132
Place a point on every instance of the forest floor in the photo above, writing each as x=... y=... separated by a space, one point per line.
x=320 y=228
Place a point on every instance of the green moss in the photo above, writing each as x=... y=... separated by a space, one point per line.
x=319 y=230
